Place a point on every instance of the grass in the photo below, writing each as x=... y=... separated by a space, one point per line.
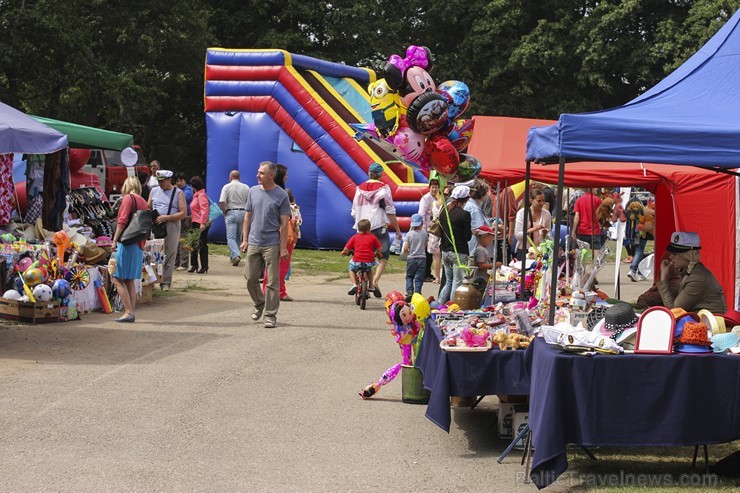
x=669 y=468
x=319 y=262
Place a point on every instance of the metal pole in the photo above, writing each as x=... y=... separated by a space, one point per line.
x=556 y=246
x=496 y=241
x=523 y=251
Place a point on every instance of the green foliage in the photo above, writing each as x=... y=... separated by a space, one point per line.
x=137 y=66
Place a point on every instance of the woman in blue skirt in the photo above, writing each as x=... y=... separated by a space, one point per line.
x=129 y=258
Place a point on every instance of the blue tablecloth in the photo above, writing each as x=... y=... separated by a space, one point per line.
x=628 y=400
x=467 y=374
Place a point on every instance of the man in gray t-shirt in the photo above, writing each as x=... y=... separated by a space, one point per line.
x=265 y=240
x=416 y=243
x=233 y=202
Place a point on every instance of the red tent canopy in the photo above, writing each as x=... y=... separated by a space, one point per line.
x=687 y=198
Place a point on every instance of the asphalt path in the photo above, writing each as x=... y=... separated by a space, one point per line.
x=195 y=396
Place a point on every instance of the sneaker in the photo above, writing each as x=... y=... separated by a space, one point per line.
x=429 y=279
x=256 y=314
x=632 y=275
x=376 y=292
x=180 y=269
x=270 y=323
x=286 y=298
x=640 y=277
x=235 y=261
x=164 y=287
x=352 y=291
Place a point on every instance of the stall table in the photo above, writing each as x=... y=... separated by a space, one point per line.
x=467 y=374
x=628 y=400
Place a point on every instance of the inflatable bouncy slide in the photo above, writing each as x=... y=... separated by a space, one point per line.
x=271 y=105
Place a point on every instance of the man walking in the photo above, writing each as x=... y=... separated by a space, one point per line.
x=183 y=255
x=233 y=202
x=169 y=202
x=265 y=240
x=373 y=202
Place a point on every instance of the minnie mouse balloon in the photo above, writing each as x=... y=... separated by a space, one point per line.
x=442 y=155
x=460 y=133
x=468 y=169
x=457 y=95
x=427 y=113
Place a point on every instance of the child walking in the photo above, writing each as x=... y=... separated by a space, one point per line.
x=366 y=248
x=415 y=245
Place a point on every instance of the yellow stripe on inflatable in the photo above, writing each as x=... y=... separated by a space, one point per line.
x=518 y=189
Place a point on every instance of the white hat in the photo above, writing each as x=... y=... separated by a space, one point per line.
x=163 y=174
x=460 y=192
x=682 y=241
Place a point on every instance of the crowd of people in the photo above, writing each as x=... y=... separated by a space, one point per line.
x=459 y=230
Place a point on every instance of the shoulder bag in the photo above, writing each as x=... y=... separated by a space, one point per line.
x=160 y=230
x=139 y=226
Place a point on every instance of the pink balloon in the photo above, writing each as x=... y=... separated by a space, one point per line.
x=410 y=143
x=442 y=155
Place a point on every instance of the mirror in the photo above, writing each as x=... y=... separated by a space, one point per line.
x=655 y=331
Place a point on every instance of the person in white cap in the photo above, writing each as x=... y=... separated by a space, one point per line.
x=456 y=233
x=699 y=288
x=415 y=246
x=169 y=202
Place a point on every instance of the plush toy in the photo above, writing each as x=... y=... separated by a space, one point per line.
x=604 y=213
x=511 y=341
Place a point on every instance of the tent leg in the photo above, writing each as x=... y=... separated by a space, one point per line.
x=556 y=246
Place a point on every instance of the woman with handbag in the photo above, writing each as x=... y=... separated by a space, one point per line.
x=199 y=211
x=128 y=258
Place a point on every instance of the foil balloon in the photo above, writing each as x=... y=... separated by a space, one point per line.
x=33 y=277
x=422 y=310
x=427 y=114
x=61 y=240
x=442 y=155
x=460 y=133
x=468 y=169
x=387 y=377
x=391 y=298
x=384 y=107
x=410 y=143
x=457 y=95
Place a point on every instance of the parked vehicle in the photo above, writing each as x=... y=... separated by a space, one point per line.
x=111 y=171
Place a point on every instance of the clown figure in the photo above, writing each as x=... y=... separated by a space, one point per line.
x=405 y=328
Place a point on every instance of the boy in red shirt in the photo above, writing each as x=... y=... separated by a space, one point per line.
x=366 y=248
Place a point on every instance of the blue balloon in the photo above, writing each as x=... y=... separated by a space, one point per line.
x=457 y=95
x=61 y=289
x=468 y=169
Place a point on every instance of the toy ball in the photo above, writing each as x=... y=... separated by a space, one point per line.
x=23 y=264
x=7 y=238
x=12 y=294
x=60 y=289
x=42 y=292
x=33 y=277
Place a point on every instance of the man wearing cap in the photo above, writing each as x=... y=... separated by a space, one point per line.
x=265 y=240
x=169 y=202
x=699 y=288
x=456 y=232
x=416 y=247
x=373 y=201
x=233 y=202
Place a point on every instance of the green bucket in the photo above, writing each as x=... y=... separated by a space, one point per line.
x=412 y=386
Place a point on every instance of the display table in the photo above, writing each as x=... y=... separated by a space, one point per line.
x=467 y=374
x=628 y=400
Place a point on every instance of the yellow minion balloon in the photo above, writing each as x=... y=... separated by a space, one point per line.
x=384 y=104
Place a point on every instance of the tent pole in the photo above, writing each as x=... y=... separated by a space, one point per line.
x=496 y=242
x=556 y=246
x=523 y=251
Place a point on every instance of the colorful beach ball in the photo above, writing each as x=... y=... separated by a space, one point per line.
x=34 y=277
x=60 y=289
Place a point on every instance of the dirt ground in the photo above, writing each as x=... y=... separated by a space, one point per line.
x=196 y=397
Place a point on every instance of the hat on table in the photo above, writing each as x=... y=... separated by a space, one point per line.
x=163 y=174
x=682 y=241
x=617 y=319
x=595 y=316
x=682 y=316
x=722 y=342
x=416 y=220
x=694 y=339
x=715 y=323
x=460 y=192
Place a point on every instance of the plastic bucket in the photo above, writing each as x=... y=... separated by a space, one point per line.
x=412 y=386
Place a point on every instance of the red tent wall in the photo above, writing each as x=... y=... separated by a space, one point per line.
x=687 y=198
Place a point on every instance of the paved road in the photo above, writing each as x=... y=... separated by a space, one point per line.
x=196 y=397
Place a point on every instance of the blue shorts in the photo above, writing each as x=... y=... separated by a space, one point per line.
x=596 y=245
x=359 y=266
x=385 y=242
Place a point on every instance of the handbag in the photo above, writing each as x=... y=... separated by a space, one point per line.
x=138 y=228
x=160 y=230
x=214 y=211
x=435 y=228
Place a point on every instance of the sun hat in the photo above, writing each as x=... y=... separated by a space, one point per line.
x=722 y=342
x=375 y=168
x=416 y=220
x=715 y=323
x=682 y=316
x=617 y=318
x=460 y=192
x=694 y=339
x=627 y=338
x=163 y=174
x=683 y=242
x=595 y=316
x=484 y=230
x=92 y=254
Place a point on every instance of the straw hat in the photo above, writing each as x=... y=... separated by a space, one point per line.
x=714 y=322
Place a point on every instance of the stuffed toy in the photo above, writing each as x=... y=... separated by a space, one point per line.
x=512 y=341
x=604 y=213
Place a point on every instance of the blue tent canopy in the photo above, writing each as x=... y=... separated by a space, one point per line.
x=692 y=117
x=19 y=133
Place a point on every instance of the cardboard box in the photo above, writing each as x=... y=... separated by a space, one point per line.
x=146 y=296
x=505 y=420
x=34 y=313
x=521 y=419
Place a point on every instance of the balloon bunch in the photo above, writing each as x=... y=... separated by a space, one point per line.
x=419 y=122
